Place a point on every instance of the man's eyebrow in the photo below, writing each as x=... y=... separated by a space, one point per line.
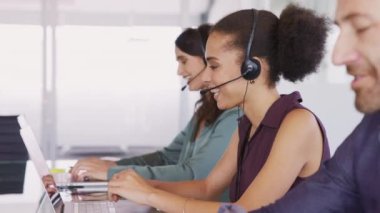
x=353 y=16
x=211 y=58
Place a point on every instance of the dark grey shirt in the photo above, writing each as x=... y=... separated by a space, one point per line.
x=349 y=182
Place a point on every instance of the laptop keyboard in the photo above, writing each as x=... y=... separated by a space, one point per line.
x=94 y=207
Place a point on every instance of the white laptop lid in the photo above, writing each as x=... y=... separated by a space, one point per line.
x=34 y=151
x=53 y=200
x=39 y=161
x=22 y=121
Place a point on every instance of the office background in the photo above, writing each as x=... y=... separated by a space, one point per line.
x=89 y=74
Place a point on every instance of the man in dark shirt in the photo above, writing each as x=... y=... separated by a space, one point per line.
x=350 y=181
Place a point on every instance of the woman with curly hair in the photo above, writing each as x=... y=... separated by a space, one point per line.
x=279 y=142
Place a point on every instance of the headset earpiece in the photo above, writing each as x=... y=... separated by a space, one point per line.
x=251 y=67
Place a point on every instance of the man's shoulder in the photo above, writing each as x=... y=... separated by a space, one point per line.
x=369 y=125
x=361 y=138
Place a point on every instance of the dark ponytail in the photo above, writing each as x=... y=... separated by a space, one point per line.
x=301 y=36
x=293 y=45
x=193 y=40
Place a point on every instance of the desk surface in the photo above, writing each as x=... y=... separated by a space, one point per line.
x=33 y=189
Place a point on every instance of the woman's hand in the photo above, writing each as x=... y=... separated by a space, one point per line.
x=49 y=184
x=91 y=169
x=128 y=184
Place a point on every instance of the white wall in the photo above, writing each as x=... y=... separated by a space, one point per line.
x=116 y=86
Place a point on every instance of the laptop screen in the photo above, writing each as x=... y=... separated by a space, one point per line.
x=45 y=205
x=50 y=200
x=52 y=193
x=63 y=180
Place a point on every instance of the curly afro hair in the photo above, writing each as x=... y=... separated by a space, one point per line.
x=301 y=36
x=292 y=44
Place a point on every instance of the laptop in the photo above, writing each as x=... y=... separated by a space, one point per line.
x=53 y=200
x=55 y=203
x=65 y=199
x=62 y=180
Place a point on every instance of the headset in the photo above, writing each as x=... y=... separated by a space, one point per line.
x=203 y=47
x=250 y=70
x=251 y=67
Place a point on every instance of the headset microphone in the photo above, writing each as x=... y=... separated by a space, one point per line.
x=184 y=87
x=220 y=85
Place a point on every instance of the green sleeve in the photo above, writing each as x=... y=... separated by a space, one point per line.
x=167 y=156
x=151 y=159
x=208 y=149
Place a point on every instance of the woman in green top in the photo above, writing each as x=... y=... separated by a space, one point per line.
x=196 y=149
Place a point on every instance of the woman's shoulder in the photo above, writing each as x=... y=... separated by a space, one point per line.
x=226 y=122
x=300 y=117
x=299 y=129
x=229 y=113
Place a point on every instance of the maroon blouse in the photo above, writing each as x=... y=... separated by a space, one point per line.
x=257 y=150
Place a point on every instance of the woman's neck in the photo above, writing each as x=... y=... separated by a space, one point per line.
x=257 y=103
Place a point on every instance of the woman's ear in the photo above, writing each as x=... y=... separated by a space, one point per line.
x=264 y=71
x=264 y=64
